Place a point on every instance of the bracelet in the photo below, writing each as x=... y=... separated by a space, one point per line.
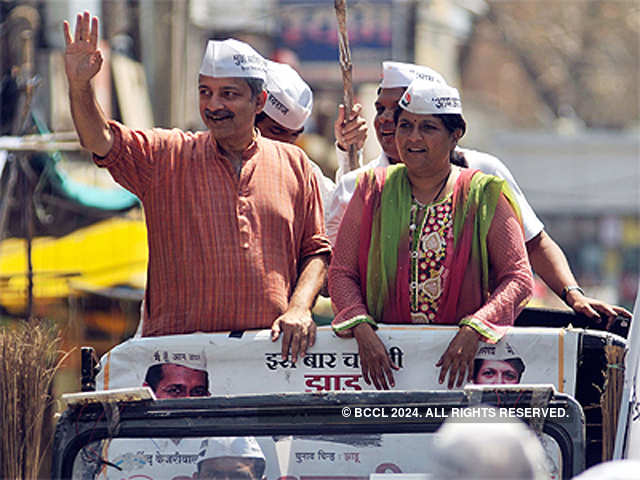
x=570 y=288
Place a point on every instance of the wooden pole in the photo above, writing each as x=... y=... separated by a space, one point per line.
x=346 y=68
x=29 y=231
x=30 y=84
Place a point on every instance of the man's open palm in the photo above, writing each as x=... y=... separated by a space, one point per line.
x=82 y=59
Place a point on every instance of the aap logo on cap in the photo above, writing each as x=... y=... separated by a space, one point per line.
x=427 y=98
x=232 y=58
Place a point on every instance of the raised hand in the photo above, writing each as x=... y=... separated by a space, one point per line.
x=82 y=59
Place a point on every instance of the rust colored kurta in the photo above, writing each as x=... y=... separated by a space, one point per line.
x=224 y=249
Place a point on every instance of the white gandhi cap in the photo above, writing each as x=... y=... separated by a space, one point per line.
x=502 y=350
x=398 y=74
x=232 y=58
x=191 y=358
x=235 y=447
x=428 y=98
x=289 y=98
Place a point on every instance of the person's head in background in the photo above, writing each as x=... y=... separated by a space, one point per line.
x=396 y=77
x=171 y=380
x=488 y=448
x=289 y=104
x=232 y=458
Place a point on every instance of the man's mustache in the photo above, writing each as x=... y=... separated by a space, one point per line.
x=218 y=114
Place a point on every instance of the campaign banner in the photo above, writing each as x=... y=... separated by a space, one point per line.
x=223 y=364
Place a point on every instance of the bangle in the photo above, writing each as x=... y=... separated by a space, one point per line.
x=570 y=288
x=487 y=333
x=348 y=324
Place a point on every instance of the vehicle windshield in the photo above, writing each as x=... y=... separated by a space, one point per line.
x=353 y=456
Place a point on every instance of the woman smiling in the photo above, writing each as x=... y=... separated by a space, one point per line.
x=428 y=242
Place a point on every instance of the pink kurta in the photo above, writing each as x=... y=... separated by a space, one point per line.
x=511 y=278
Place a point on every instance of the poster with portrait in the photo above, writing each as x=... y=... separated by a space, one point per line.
x=220 y=364
x=140 y=458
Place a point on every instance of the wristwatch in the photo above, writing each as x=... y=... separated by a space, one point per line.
x=570 y=288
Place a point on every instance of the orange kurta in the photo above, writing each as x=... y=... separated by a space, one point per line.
x=224 y=250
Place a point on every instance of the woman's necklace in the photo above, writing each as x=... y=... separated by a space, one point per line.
x=444 y=184
x=440 y=190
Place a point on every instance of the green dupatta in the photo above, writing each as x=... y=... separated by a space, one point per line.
x=384 y=242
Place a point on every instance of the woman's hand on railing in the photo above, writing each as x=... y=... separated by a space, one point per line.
x=458 y=358
x=377 y=367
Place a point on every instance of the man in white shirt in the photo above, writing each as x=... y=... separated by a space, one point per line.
x=288 y=106
x=546 y=256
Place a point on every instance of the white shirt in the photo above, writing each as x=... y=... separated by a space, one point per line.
x=326 y=185
x=344 y=191
x=493 y=166
x=477 y=160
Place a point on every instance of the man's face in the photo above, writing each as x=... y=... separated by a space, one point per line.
x=494 y=372
x=386 y=104
x=226 y=107
x=180 y=382
x=269 y=128
x=226 y=468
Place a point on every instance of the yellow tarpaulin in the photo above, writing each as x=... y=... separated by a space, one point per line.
x=106 y=254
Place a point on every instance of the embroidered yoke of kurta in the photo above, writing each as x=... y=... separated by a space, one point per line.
x=429 y=230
